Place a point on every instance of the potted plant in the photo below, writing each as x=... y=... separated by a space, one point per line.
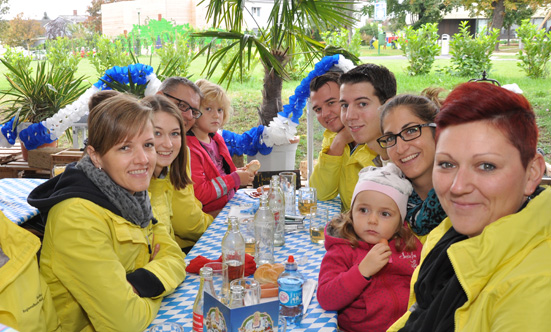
x=34 y=97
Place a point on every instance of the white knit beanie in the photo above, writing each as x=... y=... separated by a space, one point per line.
x=388 y=180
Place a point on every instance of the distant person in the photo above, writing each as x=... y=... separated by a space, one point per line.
x=213 y=172
x=371 y=254
x=340 y=160
x=188 y=219
x=107 y=261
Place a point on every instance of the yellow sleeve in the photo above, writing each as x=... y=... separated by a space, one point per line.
x=90 y=254
x=326 y=174
x=188 y=219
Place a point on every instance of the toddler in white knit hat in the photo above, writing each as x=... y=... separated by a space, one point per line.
x=371 y=253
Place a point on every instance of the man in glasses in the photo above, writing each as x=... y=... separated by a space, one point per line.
x=188 y=219
x=184 y=94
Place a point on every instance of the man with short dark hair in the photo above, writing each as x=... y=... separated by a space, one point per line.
x=186 y=95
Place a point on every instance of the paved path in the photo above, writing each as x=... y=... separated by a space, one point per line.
x=495 y=57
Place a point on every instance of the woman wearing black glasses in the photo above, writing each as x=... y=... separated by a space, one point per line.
x=407 y=122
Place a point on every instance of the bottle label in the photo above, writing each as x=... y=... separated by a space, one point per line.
x=197 y=322
x=290 y=298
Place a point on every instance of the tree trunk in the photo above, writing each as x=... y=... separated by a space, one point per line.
x=497 y=18
x=271 y=93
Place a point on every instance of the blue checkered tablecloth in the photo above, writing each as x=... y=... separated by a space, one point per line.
x=178 y=307
x=13 y=198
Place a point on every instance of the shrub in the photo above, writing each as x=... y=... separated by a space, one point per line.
x=339 y=38
x=368 y=31
x=537 y=49
x=60 y=54
x=17 y=60
x=175 y=57
x=471 y=55
x=420 y=48
x=108 y=55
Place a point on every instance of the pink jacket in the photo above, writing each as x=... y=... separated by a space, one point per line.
x=364 y=305
x=210 y=187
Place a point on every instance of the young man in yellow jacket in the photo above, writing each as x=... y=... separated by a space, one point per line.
x=344 y=151
x=25 y=299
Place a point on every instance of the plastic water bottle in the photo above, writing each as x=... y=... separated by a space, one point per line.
x=277 y=205
x=264 y=225
x=290 y=293
x=233 y=250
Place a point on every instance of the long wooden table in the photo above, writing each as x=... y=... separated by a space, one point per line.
x=178 y=307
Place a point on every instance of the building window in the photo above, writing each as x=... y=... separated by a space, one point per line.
x=256 y=11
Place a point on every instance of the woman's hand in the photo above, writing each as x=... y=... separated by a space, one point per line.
x=246 y=177
x=375 y=260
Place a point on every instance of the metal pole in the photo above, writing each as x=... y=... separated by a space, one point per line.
x=309 y=140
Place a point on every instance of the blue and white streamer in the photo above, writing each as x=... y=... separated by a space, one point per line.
x=52 y=128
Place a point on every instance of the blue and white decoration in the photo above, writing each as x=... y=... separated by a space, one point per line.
x=282 y=128
x=52 y=128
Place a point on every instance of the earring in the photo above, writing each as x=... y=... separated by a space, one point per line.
x=99 y=168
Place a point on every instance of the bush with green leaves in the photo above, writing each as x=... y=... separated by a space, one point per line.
x=109 y=54
x=536 y=51
x=339 y=38
x=420 y=48
x=60 y=53
x=175 y=57
x=368 y=31
x=18 y=60
x=471 y=54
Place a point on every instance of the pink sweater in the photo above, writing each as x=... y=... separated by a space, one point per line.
x=364 y=305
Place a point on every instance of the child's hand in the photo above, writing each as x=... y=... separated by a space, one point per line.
x=246 y=177
x=375 y=260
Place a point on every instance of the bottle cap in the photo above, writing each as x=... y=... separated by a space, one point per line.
x=291 y=259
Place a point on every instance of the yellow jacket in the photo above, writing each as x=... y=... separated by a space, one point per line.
x=25 y=299
x=180 y=210
x=87 y=253
x=505 y=272
x=337 y=175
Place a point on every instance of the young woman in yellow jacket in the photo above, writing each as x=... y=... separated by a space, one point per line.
x=171 y=189
x=106 y=259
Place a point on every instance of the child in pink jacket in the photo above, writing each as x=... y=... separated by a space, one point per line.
x=371 y=254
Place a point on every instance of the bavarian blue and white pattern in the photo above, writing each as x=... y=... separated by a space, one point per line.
x=13 y=198
x=178 y=307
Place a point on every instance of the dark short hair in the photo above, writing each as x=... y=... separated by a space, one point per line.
x=508 y=111
x=317 y=82
x=380 y=77
x=171 y=83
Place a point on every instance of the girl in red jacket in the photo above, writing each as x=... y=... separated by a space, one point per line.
x=371 y=254
x=213 y=172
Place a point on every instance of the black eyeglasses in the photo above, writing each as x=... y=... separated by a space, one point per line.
x=184 y=106
x=408 y=134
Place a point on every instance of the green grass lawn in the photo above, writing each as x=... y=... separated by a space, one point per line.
x=246 y=96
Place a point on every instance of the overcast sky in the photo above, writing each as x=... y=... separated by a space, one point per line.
x=35 y=8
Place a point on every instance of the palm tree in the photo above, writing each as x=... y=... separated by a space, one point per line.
x=288 y=33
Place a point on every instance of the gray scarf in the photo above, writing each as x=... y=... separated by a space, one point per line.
x=134 y=208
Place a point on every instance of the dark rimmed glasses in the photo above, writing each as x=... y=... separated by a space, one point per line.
x=407 y=134
x=184 y=106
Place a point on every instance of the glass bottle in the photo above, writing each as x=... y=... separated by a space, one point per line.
x=264 y=225
x=206 y=285
x=236 y=297
x=276 y=202
x=233 y=250
x=290 y=293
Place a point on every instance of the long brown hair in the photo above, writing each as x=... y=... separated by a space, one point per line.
x=178 y=168
x=344 y=228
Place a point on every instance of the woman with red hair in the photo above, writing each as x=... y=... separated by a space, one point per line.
x=486 y=266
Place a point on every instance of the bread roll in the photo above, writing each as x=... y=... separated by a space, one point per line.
x=268 y=273
x=253 y=166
